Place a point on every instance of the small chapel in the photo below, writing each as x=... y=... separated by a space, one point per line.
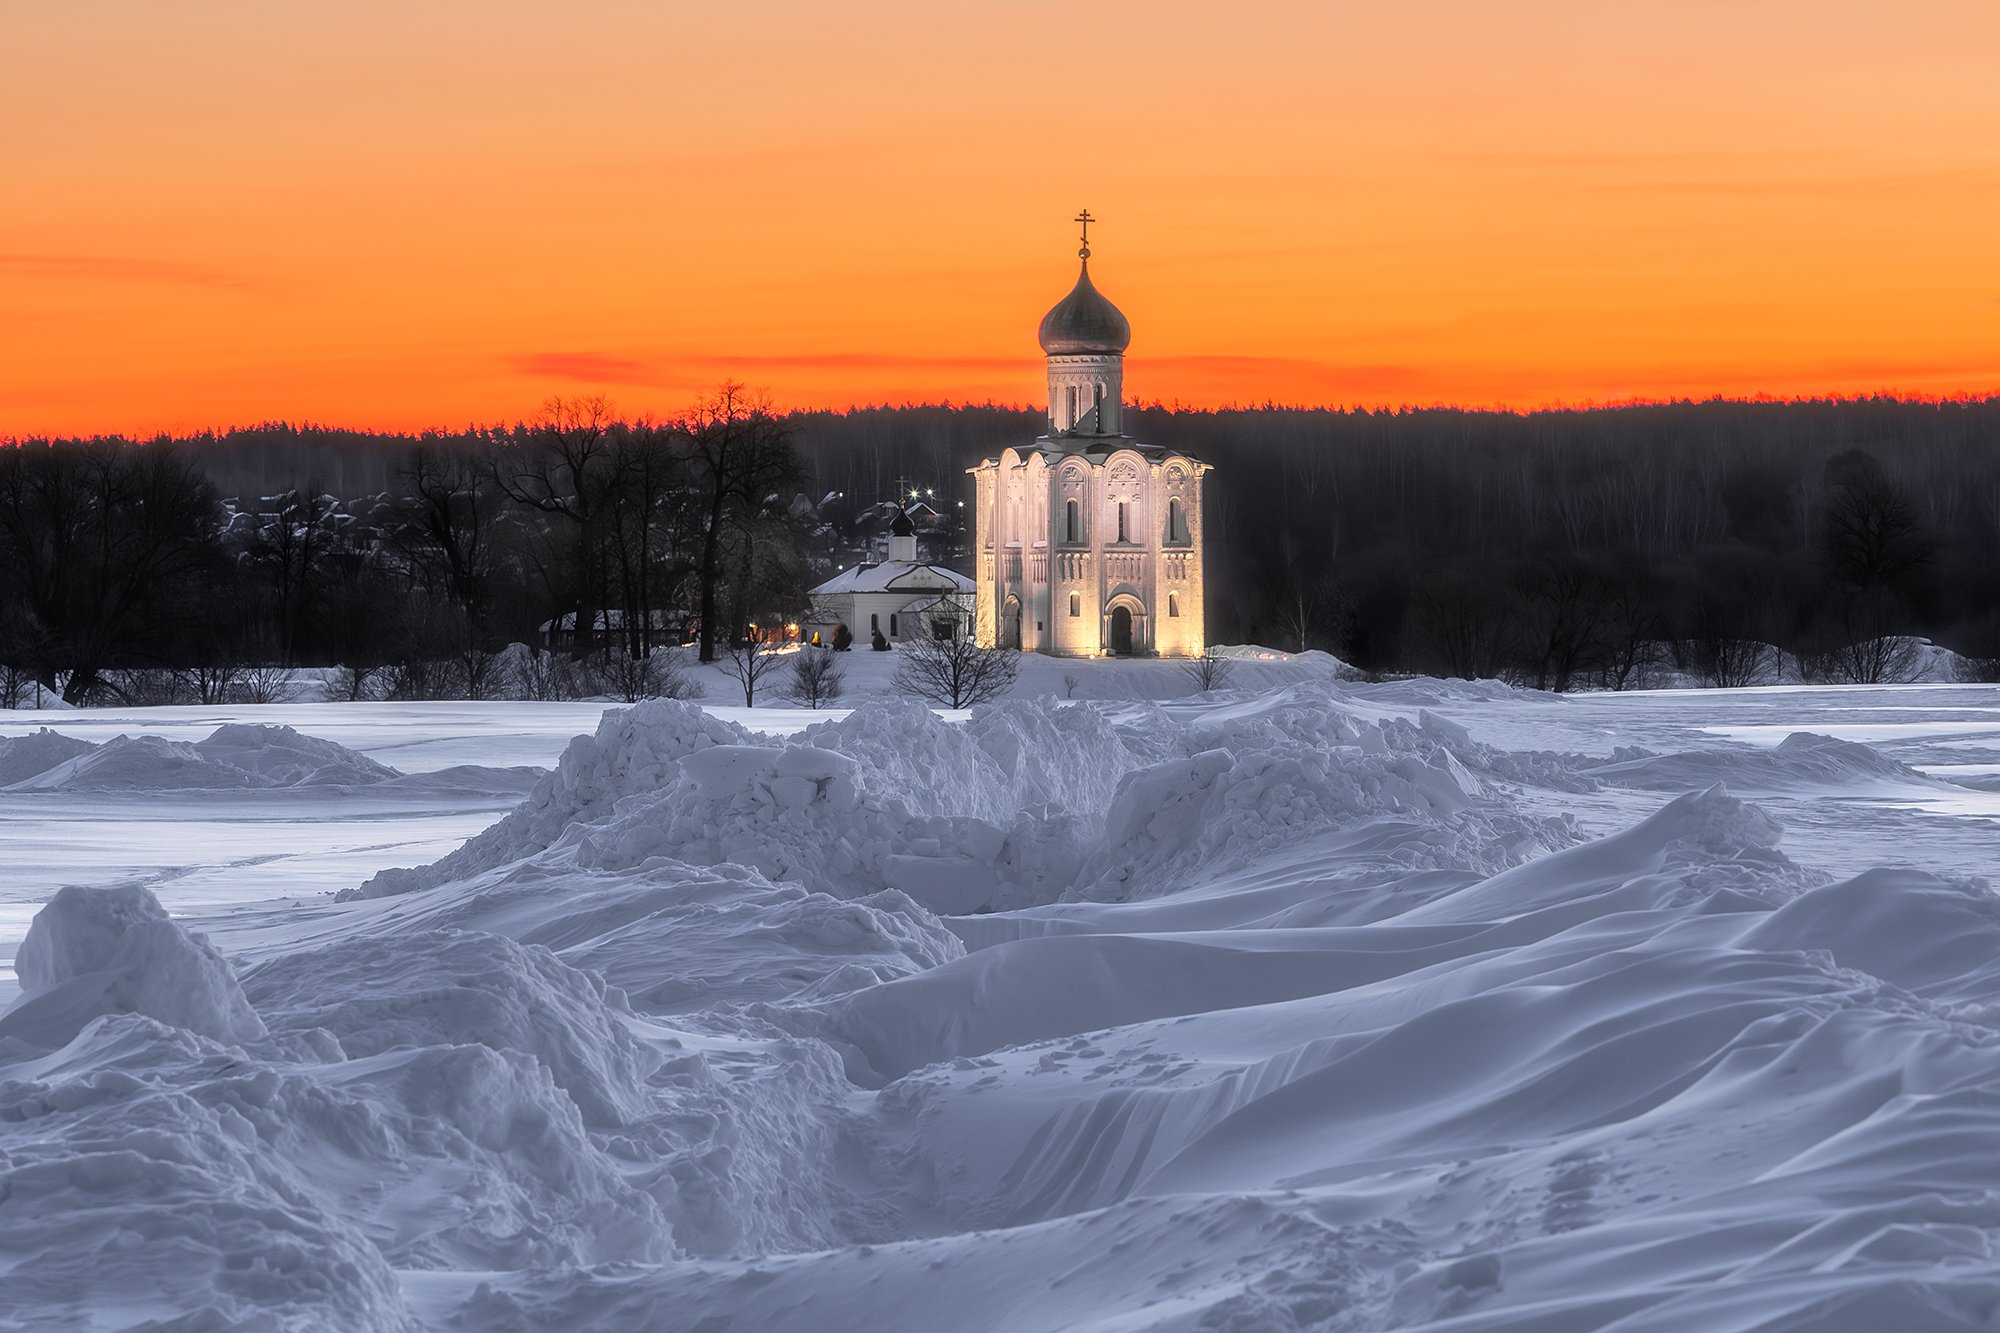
x=1088 y=542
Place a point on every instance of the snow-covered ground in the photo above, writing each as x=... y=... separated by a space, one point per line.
x=1304 y=1005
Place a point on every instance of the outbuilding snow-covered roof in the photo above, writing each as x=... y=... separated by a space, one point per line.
x=894 y=576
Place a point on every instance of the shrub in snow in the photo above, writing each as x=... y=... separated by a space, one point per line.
x=92 y=952
x=1208 y=672
x=355 y=684
x=955 y=672
x=748 y=664
x=816 y=678
x=660 y=674
x=266 y=685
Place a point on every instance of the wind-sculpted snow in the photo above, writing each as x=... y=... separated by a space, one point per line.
x=23 y=757
x=236 y=757
x=93 y=952
x=447 y=987
x=1302 y=1010
x=631 y=752
x=1800 y=762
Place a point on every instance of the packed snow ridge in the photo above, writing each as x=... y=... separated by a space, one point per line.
x=237 y=756
x=1281 y=1011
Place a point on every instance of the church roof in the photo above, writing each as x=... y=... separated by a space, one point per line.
x=912 y=576
x=1098 y=448
x=1084 y=322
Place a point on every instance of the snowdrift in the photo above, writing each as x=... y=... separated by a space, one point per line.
x=1284 y=1011
x=235 y=757
x=1802 y=762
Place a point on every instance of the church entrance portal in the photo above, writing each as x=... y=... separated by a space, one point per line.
x=1010 y=625
x=1121 y=632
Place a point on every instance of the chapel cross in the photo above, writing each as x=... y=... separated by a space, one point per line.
x=1085 y=218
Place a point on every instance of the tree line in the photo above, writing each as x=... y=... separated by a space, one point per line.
x=608 y=536
x=1560 y=549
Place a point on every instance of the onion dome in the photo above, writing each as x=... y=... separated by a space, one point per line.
x=901 y=525
x=1084 y=323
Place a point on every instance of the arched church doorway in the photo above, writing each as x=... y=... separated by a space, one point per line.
x=1010 y=624
x=1121 y=631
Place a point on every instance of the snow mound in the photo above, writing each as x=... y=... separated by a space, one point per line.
x=675 y=937
x=987 y=815
x=139 y=763
x=632 y=751
x=234 y=757
x=455 y=987
x=92 y=952
x=1293 y=1010
x=140 y=1189
x=1932 y=937
x=281 y=757
x=23 y=757
x=1802 y=761
x=1693 y=847
x=1291 y=770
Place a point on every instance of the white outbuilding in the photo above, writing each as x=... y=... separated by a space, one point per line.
x=901 y=598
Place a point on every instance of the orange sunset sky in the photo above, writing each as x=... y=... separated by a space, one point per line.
x=435 y=212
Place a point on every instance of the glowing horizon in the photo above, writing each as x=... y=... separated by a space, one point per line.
x=409 y=217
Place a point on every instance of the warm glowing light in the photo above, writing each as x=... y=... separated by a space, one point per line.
x=392 y=215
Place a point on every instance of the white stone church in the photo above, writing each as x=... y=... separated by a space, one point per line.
x=1089 y=542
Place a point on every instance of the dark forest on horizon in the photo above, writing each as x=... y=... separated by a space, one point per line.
x=1559 y=549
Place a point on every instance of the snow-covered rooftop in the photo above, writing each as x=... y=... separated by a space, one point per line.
x=894 y=576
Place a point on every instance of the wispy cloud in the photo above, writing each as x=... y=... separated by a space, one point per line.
x=113 y=268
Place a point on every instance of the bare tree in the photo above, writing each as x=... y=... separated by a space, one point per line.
x=1632 y=629
x=1561 y=608
x=354 y=684
x=739 y=454
x=23 y=643
x=266 y=685
x=451 y=519
x=291 y=545
x=748 y=663
x=817 y=678
x=1862 y=646
x=93 y=539
x=1463 y=626
x=955 y=672
x=1872 y=535
x=211 y=682
x=654 y=675
x=560 y=468
x=1208 y=672
x=540 y=674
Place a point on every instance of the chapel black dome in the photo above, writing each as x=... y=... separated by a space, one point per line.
x=1084 y=323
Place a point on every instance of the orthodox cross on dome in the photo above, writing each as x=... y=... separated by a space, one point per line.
x=1084 y=218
